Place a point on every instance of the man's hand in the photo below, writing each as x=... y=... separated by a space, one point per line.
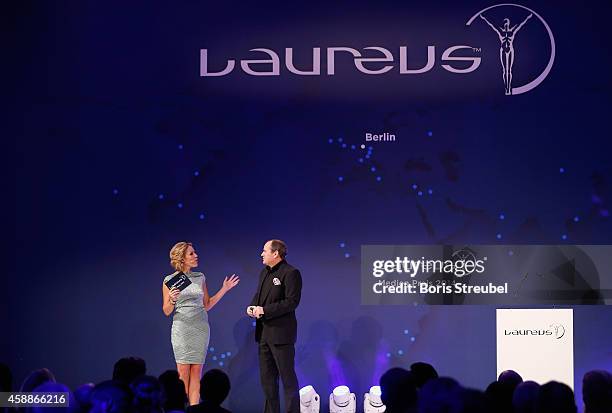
x=249 y=311
x=258 y=312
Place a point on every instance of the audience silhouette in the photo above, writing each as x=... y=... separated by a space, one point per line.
x=418 y=390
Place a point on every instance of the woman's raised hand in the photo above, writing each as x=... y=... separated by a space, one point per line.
x=230 y=282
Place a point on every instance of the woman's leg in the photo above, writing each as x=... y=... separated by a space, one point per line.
x=194 y=384
x=183 y=371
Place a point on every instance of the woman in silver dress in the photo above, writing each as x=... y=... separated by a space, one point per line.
x=190 y=330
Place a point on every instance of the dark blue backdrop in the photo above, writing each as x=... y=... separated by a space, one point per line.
x=122 y=149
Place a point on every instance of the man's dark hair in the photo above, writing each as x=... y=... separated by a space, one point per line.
x=441 y=395
x=129 y=368
x=111 y=397
x=148 y=395
x=597 y=391
x=36 y=378
x=174 y=388
x=556 y=397
x=510 y=378
x=398 y=391
x=214 y=386
x=280 y=246
x=525 y=397
x=422 y=373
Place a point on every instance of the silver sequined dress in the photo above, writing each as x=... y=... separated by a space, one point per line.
x=190 y=331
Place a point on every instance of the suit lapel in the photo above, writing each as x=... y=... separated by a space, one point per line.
x=266 y=287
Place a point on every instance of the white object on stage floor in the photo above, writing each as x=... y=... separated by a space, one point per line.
x=372 y=402
x=310 y=401
x=536 y=343
x=341 y=400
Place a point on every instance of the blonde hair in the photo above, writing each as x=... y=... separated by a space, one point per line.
x=177 y=255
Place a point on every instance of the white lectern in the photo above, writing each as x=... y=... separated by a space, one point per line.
x=536 y=343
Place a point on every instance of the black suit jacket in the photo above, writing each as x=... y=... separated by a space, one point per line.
x=279 y=293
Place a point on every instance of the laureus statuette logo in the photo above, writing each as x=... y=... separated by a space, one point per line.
x=507 y=32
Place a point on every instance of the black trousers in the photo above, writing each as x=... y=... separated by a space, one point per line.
x=275 y=360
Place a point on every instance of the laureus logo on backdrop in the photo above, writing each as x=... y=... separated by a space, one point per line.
x=506 y=30
x=556 y=331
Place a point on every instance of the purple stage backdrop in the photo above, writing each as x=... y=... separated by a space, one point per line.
x=330 y=126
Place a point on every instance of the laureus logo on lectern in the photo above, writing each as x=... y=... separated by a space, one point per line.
x=556 y=331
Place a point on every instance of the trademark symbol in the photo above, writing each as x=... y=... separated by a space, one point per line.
x=476 y=49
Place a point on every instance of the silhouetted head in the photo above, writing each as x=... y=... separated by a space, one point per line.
x=148 y=395
x=473 y=401
x=6 y=378
x=82 y=394
x=174 y=388
x=422 y=373
x=51 y=386
x=442 y=395
x=597 y=391
x=36 y=378
x=525 y=397
x=111 y=397
x=510 y=378
x=556 y=397
x=214 y=386
x=398 y=391
x=499 y=397
x=129 y=368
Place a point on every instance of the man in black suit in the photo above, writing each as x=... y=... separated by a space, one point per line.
x=273 y=305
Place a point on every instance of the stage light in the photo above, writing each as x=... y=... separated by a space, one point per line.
x=341 y=400
x=564 y=237
x=310 y=402
x=372 y=402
